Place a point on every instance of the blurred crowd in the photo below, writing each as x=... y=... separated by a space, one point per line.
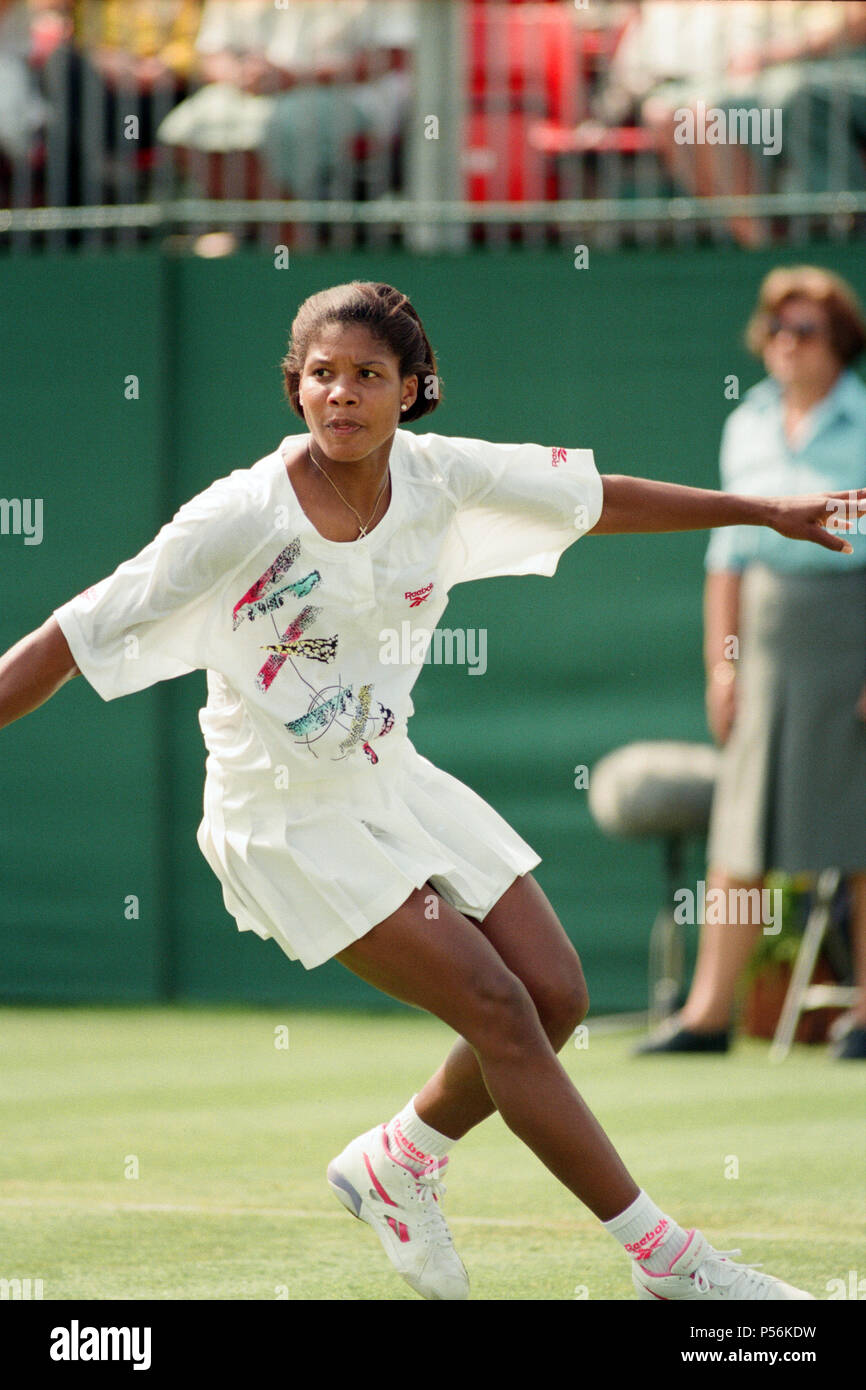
x=100 y=99
x=118 y=85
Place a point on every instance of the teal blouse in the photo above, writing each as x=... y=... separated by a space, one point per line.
x=758 y=460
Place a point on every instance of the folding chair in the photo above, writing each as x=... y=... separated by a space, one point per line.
x=802 y=995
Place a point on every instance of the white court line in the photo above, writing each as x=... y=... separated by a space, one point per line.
x=616 y=1023
x=730 y=1241
x=190 y=1209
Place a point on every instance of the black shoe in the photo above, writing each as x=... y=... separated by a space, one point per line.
x=676 y=1039
x=852 y=1045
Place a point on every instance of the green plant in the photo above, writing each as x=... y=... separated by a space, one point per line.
x=781 y=948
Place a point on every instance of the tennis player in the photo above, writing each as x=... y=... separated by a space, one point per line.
x=327 y=830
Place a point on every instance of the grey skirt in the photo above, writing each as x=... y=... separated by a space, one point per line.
x=791 y=792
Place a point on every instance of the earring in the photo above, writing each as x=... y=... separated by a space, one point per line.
x=404 y=407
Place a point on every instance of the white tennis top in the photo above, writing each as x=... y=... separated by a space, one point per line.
x=312 y=648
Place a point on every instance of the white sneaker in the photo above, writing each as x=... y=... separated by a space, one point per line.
x=699 y=1271
x=404 y=1211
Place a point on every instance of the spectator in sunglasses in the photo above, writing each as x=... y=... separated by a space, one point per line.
x=785 y=648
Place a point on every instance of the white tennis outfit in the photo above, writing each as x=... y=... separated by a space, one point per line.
x=320 y=817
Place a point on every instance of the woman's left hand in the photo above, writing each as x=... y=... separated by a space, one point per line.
x=821 y=518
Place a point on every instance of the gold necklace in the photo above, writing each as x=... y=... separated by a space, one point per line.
x=362 y=526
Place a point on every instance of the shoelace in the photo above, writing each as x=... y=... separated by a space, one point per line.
x=430 y=1190
x=705 y=1281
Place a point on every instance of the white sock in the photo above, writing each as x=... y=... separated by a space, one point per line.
x=414 y=1143
x=647 y=1234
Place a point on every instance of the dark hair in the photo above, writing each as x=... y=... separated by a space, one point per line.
x=388 y=316
x=846 y=324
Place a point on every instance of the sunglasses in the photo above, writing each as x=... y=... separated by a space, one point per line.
x=800 y=331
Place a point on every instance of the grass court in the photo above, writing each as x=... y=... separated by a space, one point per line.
x=229 y=1134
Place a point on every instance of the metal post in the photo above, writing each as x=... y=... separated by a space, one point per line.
x=666 y=954
x=433 y=148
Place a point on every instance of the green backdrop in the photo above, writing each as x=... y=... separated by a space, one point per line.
x=99 y=801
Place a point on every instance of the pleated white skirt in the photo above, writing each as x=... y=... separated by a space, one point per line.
x=317 y=865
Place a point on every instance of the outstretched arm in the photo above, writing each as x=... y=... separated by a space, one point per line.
x=641 y=504
x=33 y=670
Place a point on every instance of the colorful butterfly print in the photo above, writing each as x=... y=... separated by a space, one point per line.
x=322 y=714
x=280 y=566
x=359 y=723
x=316 y=648
x=276 y=660
x=299 y=588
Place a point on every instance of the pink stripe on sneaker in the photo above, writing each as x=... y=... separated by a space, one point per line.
x=663 y=1274
x=398 y=1229
x=376 y=1183
x=690 y=1238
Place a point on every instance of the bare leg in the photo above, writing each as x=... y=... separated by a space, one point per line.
x=729 y=169
x=753 y=232
x=723 y=954
x=698 y=168
x=678 y=159
x=526 y=933
x=447 y=967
